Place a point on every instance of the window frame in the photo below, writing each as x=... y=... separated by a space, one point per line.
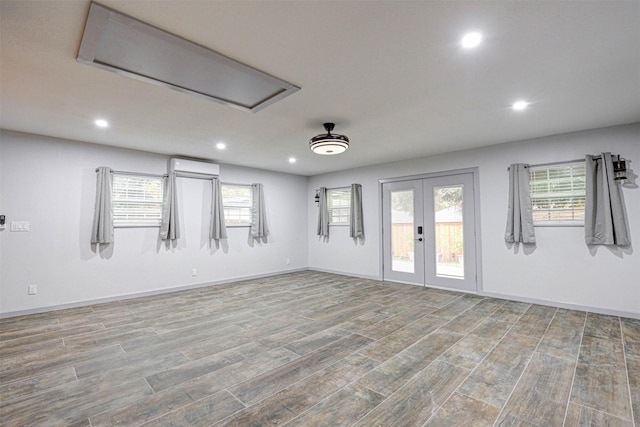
x=330 y=208
x=115 y=200
x=569 y=167
x=225 y=206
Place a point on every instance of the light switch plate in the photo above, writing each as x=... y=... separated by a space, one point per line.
x=19 y=225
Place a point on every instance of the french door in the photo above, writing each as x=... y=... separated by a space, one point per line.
x=429 y=232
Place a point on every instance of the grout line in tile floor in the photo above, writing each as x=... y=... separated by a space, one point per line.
x=474 y=369
x=515 y=386
x=270 y=306
x=626 y=367
x=575 y=368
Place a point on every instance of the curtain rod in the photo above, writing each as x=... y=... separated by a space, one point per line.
x=137 y=173
x=235 y=183
x=563 y=162
x=336 y=188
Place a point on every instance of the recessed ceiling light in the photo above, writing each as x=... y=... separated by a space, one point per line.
x=471 y=40
x=101 y=123
x=292 y=159
x=221 y=145
x=520 y=105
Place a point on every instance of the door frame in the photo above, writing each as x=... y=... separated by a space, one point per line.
x=476 y=206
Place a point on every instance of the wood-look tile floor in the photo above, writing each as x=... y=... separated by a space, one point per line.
x=316 y=349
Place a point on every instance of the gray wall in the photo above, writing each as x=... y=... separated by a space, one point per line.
x=51 y=183
x=562 y=270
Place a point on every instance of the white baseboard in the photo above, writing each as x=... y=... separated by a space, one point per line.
x=569 y=306
x=342 y=273
x=144 y=294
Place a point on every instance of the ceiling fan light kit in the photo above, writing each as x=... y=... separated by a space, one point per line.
x=329 y=144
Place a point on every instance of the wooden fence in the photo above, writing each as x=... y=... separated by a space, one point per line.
x=449 y=243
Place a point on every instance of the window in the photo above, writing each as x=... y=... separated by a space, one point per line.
x=339 y=205
x=558 y=194
x=237 y=203
x=137 y=200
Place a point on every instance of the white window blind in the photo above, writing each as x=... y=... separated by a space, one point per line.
x=558 y=194
x=137 y=200
x=339 y=205
x=237 y=202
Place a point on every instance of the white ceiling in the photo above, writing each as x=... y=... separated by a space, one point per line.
x=390 y=74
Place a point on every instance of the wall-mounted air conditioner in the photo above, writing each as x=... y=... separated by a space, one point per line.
x=193 y=168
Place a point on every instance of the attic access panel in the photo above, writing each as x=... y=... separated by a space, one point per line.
x=122 y=44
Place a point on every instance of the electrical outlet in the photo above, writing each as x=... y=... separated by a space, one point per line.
x=33 y=289
x=194 y=272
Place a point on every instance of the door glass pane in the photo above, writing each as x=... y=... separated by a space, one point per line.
x=449 y=232
x=402 y=249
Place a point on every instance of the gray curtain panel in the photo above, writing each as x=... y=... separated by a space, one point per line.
x=520 y=213
x=170 y=228
x=356 y=221
x=102 y=229
x=218 y=227
x=259 y=228
x=323 y=213
x=605 y=219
